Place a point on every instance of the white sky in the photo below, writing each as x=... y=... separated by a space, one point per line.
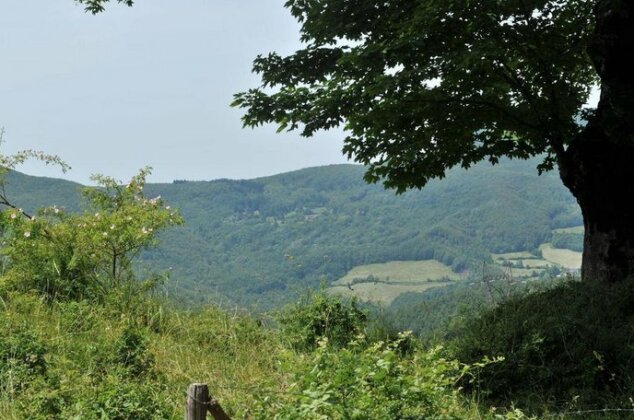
x=148 y=85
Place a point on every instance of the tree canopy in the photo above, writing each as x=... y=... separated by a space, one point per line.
x=421 y=86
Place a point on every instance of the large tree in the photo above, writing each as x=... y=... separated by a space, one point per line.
x=421 y=86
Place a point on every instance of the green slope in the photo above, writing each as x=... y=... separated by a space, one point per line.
x=260 y=242
x=32 y=192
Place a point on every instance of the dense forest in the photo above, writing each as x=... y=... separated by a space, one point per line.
x=259 y=243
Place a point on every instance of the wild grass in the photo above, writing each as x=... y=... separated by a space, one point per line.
x=228 y=350
x=77 y=360
x=566 y=349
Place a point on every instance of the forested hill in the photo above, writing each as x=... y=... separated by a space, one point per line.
x=259 y=242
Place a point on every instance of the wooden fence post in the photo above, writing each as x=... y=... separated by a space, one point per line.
x=199 y=402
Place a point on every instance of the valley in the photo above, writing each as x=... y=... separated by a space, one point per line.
x=261 y=243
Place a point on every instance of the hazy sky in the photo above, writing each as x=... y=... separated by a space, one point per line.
x=148 y=85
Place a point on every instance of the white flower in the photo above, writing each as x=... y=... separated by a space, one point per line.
x=105 y=233
x=111 y=227
x=14 y=215
x=27 y=234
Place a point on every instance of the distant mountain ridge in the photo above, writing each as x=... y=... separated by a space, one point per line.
x=261 y=241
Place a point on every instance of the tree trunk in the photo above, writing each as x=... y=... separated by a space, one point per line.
x=598 y=166
x=600 y=175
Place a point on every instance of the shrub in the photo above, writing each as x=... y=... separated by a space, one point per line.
x=570 y=343
x=132 y=353
x=21 y=358
x=371 y=381
x=85 y=256
x=319 y=316
x=118 y=399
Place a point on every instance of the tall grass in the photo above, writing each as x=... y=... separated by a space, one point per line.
x=79 y=360
x=97 y=357
x=568 y=348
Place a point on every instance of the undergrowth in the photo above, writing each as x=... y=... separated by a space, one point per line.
x=80 y=360
x=566 y=349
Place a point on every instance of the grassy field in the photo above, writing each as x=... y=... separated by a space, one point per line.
x=563 y=257
x=576 y=229
x=532 y=266
x=551 y=256
x=391 y=279
x=383 y=293
x=228 y=350
x=400 y=271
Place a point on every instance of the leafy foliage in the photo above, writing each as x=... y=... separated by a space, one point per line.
x=98 y=6
x=83 y=360
x=78 y=359
x=372 y=381
x=21 y=358
x=132 y=352
x=72 y=256
x=321 y=317
x=121 y=400
x=423 y=86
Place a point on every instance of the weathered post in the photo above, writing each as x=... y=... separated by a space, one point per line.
x=197 y=402
x=217 y=412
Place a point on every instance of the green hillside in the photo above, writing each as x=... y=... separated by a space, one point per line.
x=260 y=242
x=32 y=192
